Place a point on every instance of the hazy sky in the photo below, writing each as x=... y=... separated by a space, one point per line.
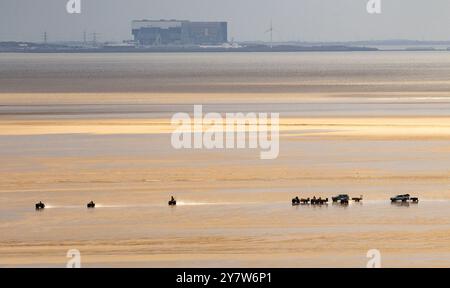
x=306 y=20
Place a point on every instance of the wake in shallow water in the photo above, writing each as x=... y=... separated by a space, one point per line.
x=179 y=203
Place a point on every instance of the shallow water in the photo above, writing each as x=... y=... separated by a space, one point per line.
x=241 y=229
x=233 y=209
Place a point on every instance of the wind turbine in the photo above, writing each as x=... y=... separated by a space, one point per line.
x=271 y=34
x=45 y=37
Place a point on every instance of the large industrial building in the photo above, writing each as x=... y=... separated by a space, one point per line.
x=176 y=32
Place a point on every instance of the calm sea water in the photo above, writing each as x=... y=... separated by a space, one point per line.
x=228 y=73
x=381 y=83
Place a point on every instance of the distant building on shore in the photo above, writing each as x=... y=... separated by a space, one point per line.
x=179 y=32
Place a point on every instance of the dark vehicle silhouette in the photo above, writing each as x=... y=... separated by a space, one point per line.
x=343 y=198
x=319 y=201
x=304 y=201
x=40 y=206
x=91 y=204
x=405 y=198
x=401 y=198
x=172 y=202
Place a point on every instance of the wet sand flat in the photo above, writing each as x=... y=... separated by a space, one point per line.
x=344 y=129
x=234 y=209
x=251 y=234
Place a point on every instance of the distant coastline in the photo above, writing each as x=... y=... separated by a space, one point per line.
x=76 y=47
x=17 y=47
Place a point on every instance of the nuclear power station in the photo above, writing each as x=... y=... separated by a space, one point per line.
x=179 y=32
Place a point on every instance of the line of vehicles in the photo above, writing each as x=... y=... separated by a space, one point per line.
x=341 y=199
x=90 y=205
x=345 y=199
x=41 y=206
